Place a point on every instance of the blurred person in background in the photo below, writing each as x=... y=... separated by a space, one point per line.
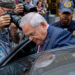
x=40 y=8
x=65 y=12
x=35 y=2
x=30 y=3
x=45 y=5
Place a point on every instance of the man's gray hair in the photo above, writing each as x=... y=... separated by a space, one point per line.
x=32 y=18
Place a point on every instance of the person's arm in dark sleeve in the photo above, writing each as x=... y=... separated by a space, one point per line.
x=65 y=38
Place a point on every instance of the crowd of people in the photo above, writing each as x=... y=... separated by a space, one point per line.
x=36 y=28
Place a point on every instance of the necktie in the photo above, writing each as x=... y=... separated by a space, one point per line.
x=40 y=48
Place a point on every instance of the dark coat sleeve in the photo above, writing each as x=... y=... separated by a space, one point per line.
x=63 y=38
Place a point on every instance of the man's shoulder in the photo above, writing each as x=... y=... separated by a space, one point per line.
x=57 y=31
x=58 y=36
x=56 y=28
x=73 y=22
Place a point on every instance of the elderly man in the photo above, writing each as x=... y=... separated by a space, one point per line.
x=45 y=36
x=65 y=13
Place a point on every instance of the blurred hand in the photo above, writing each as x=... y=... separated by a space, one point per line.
x=4 y=20
x=43 y=12
x=14 y=34
x=19 y=8
x=4 y=10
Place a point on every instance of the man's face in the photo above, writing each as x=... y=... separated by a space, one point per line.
x=35 y=34
x=65 y=18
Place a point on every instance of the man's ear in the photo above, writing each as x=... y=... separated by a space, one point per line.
x=43 y=24
x=59 y=12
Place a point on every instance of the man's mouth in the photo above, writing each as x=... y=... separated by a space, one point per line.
x=65 y=20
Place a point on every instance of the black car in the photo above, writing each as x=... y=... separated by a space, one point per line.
x=51 y=62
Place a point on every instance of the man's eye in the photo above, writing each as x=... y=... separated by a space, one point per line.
x=32 y=34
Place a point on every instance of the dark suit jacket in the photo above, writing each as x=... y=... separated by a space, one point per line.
x=70 y=27
x=57 y=37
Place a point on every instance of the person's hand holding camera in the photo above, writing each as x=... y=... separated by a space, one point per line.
x=4 y=20
x=19 y=8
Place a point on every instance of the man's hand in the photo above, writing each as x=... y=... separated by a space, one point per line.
x=4 y=20
x=19 y=8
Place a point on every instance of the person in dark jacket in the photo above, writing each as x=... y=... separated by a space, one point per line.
x=45 y=36
x=7 y=33
x=65 y=12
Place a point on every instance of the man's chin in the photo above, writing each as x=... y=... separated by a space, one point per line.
x=38 y=43
x=65 y=23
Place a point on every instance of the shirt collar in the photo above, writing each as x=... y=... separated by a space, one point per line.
x=48 y=34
